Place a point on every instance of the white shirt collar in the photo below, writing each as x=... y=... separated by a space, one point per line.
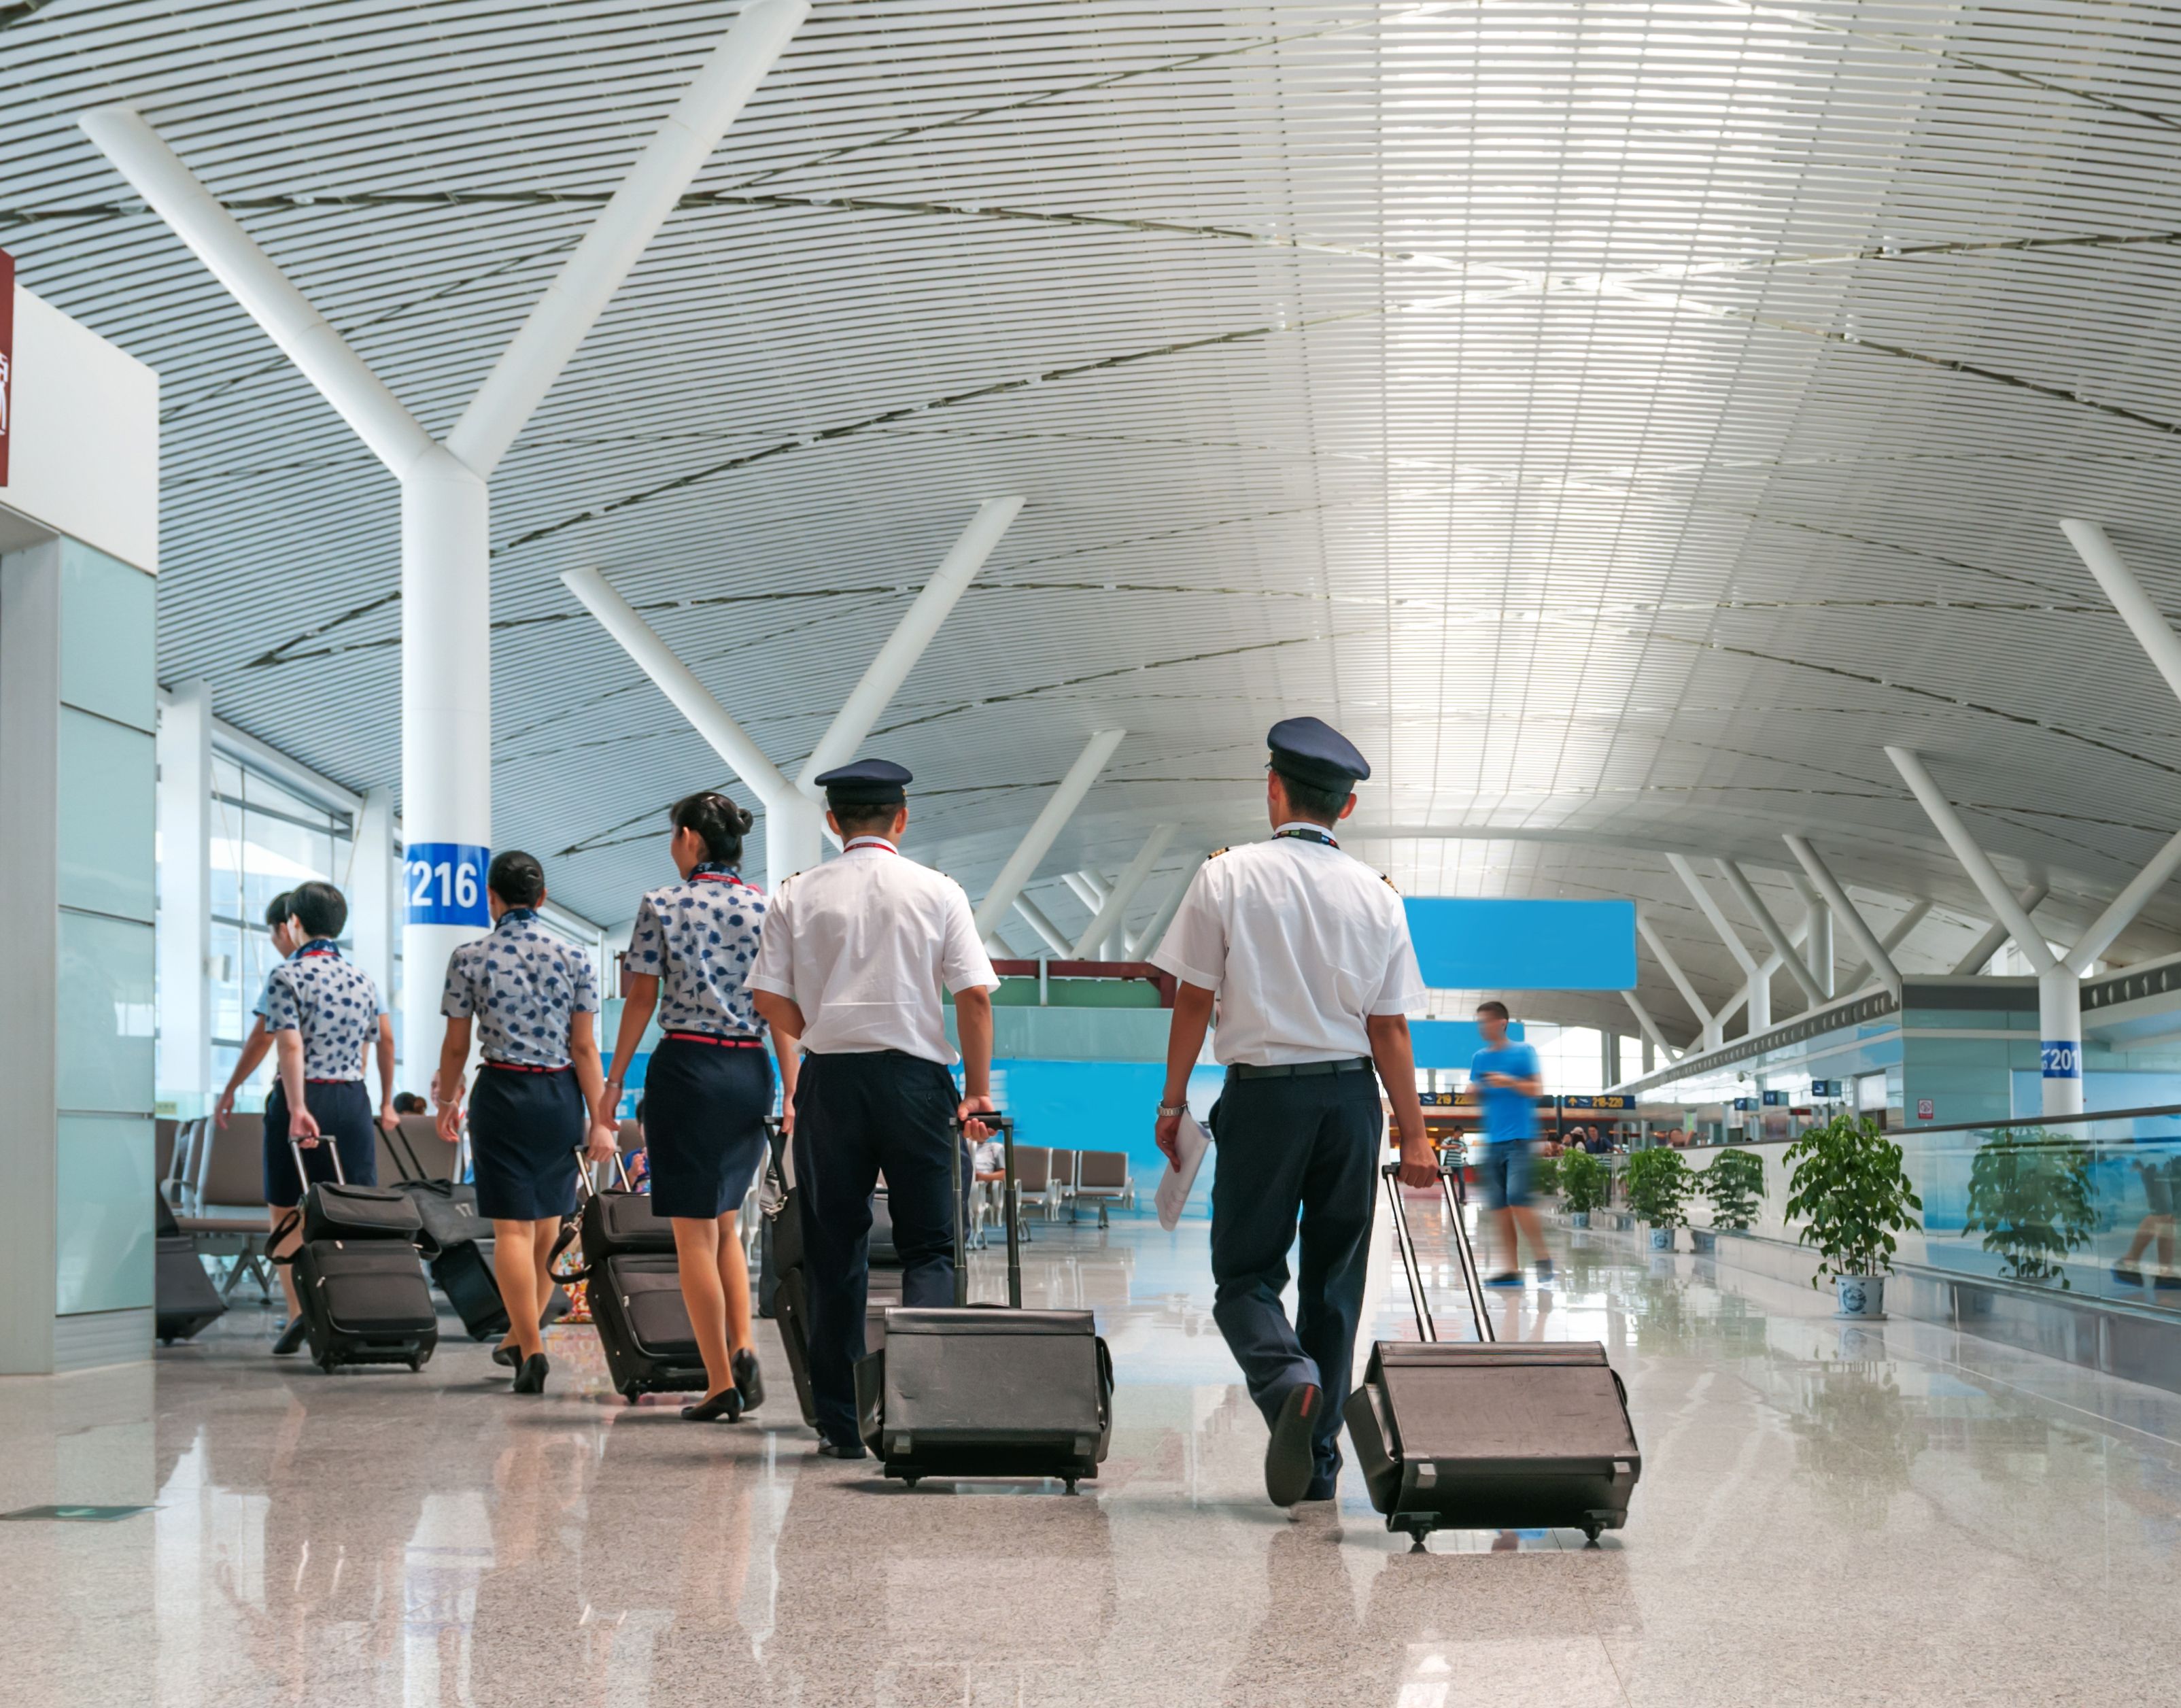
x=869 y=842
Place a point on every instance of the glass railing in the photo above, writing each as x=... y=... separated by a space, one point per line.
x=2085 y=1205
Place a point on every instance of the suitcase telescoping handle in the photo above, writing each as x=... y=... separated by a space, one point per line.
x=326 y=1145
x=1471 y=1283
x=1008 y=1208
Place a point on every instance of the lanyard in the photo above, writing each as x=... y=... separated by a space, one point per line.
x=708 y=873
x=877 y=842
x=1305 y=832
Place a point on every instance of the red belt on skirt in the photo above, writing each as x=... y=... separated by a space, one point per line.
x=526 y=1068
x=717 y=1041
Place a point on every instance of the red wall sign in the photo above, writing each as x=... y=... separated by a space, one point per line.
x=7 y=355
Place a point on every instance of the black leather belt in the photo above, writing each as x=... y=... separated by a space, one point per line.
x=1287 y=1070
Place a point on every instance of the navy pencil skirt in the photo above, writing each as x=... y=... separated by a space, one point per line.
x=525 y=1129
x=342 y=1109
x=704 y=1106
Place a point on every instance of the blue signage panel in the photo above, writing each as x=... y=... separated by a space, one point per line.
x=1776 y=1100
x=2062 y=1059
x=443 y=883
x=1466 y=942
x=1450 y=1043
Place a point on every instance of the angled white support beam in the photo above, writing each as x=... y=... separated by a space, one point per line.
x=1147 y=940
x=1087 y=887
x=1659 y=952
x=1037 y=841
x=2121 y=911
x=624 y=227
x=1107 y=919
x=1043 y=927
x=1708 y=905
x=1985 y=947
x=918 y=624
x=2138 y=610
x=1817 y=933
x=1650 y=1027
x=1845 y=911
x=1896 y=935
x=1973 y=859
x=1738 y=881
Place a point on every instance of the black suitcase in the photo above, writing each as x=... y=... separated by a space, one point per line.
x=1481 y=1435
x=183 y=1300
x=463 y=1272
x=333 y=1209
x=635 y=1293
x=364 y=1299
x=977 y=1391
x=446 y=1209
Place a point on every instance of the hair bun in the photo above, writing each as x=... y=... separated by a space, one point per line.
x=744 y=818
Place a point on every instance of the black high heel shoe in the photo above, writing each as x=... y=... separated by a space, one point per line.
x=530 y=1377
x=725 y=1406
x=750 y=1383
x=508 y=1355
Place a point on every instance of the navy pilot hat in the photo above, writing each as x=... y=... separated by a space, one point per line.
x=1316 y=754
x=866 y=783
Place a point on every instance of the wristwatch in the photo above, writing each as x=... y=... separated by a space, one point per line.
x=1166 y=1109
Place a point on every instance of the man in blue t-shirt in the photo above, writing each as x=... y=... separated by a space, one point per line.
x=1508 y=1080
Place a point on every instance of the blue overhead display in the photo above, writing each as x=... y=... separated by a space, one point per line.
x=1466 y=942
x=1450 y=1043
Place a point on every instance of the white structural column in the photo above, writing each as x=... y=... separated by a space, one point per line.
x=1043 y=927
x=1649 y=1025
x=374 y=898
x=1985 y=947
x=446 y=685
x=1106 y=922
x=1146 y=940
x=2059 y=990
x=1037 y=841
x=2123 y=907
x=1846 y=911
x=1756 y=990
x=2136 y=607
x=1817 y=933
x=1900 y=932
x=1707 y=1022
x=1738 y=881
x=184 y=935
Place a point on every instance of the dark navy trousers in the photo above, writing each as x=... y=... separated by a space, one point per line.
x=858 y=1117
x=1294 y=1149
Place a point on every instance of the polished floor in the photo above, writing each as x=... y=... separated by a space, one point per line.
x=1828 y=1515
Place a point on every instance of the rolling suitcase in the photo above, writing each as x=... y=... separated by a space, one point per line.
x=359 y=1285
x=183 y=1300
x=1486 y=1435
x=634 y=1288
x=456 y=1242
x=979 y=1391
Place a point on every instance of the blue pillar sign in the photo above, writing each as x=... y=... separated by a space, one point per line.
x=2062 y=1059
x=443 y=883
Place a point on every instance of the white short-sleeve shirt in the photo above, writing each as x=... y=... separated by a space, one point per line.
x=1302 y=944
x=863 y=945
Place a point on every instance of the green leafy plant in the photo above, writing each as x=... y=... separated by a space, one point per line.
x=1659 y=1184
x=1734 y=1183
x=1582 y=1183
x=1544 y=1175
x=1847 y=1190
x=2030 y=1197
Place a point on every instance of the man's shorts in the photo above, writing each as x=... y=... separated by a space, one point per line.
x=1503 y=1172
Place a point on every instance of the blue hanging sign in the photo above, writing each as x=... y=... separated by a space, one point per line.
x=1824 y=1088
x=1774 y=1100
x=1746 y=1103
x=443 y=883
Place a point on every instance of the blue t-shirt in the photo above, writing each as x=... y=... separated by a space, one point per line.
x=1510 y=1118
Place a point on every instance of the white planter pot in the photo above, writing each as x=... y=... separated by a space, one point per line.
x=1702 y=1240
x=1662 y=1239
x=1578 y=1219
x=1862 y=1298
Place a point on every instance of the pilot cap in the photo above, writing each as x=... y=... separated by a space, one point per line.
x=1316 y=754
x=866 y=783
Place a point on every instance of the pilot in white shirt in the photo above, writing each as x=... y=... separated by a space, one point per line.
x=854 y=956
x=1306 y=953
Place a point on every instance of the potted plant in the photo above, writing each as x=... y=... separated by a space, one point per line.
x=1847 y=1190
x=1582 y=1186
x=1734 y=1183
x=1544 y=1175
x=1659 y=1183
x=2030 y=1197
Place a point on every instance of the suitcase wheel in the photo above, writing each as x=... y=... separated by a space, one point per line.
x=911 y=1482
x=415 y=1362
x=1070 y=1481
x=329 y=1363
x=631 y=1395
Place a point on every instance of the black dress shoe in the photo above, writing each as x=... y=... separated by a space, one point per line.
x=510 y=1355
x=1289 y=1460
x=750 y=1381
x=530 y=1377
x=291 y=1338
x=837 y=1449
x=723 y=1407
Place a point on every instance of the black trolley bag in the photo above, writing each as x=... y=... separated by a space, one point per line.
x=358 y=1280
x=784 y=1292
x=456 y=1242
x=1485 y=1435
x=979 y=1391
x=635 y=1292
x=183 y=1300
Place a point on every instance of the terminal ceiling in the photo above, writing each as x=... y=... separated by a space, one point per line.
x=1620 y=419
